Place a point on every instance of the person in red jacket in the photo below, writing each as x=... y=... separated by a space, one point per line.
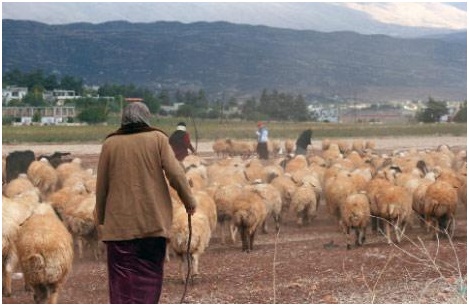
x=180 y=141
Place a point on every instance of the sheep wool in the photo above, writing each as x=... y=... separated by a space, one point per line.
x=355 y=214
x=200 y=238
x=46 y=253
x=13 y=215
x=249 y=213
x=394 y=204
x=440 y=203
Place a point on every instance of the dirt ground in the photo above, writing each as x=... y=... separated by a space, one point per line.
x=297 y=265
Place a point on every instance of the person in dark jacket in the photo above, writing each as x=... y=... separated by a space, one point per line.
x=180 y=141
x=303 y=141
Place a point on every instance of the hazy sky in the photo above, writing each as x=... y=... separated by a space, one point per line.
x=448 y=15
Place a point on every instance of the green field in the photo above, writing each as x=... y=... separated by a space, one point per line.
x=213 y=129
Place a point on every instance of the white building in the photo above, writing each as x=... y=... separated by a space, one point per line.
x=13 y=93
x=58 y=96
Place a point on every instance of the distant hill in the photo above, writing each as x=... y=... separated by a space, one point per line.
x=241 y=59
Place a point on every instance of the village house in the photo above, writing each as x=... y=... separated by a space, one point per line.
x=13 y=93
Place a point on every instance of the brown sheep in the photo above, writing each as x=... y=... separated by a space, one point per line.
x=249 y=213
x=441 y=199
x=304 y=203
x=394 y=205
x=220 y=147
x=355 y=214
x=43 y=175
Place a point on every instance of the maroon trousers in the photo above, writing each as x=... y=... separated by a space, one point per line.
x=135 y=269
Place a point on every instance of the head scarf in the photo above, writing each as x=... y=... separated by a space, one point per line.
x=181 y=126
x=136 y=113
x=135 y=119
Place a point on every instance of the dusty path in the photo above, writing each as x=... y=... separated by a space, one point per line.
x=307 y=265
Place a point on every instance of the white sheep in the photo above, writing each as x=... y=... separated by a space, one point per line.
x=45 y=253
x=287 y=187
x=17 y=186
x=224 y=198
x=200 y=236
x=272 y=200
x=14 y=213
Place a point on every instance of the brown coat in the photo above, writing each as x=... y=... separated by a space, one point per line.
x=132 y=196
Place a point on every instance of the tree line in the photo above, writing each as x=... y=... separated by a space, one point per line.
x=95 y=105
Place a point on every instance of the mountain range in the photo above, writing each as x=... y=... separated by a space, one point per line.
x=225 y=58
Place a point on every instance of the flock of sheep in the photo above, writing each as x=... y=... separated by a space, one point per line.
x=47 y=212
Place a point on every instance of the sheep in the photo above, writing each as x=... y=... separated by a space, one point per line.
x=43 y=175
x=336 y=190
x=237 y=147
x=79 y=177
x=17 y=186
x=77 y=216
x=372 y=188
x=355 y=214
x=224 y=198
x=289 y=146
x=66 y=169
x=56 y=158
x=196 y=180
x=18 y=162
x=325 y=144
x=462 y=194
x=14 y=213
x=332 y=153
x=304 y=203
x=358 y=146
x=220 y=147
x=287 y=187
x=249 y=212
x=62 y=197
x=440 y=203
x=295 y=163
x=370 y=145
x=310 y=177
x=227 y=171
x=254 y=170
x=343 y=146
x=273 y=147
x=200 y=237
x=45 y=253
x=207 y=205
x=394 y=204
x=272 y=200
x=192 y=161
